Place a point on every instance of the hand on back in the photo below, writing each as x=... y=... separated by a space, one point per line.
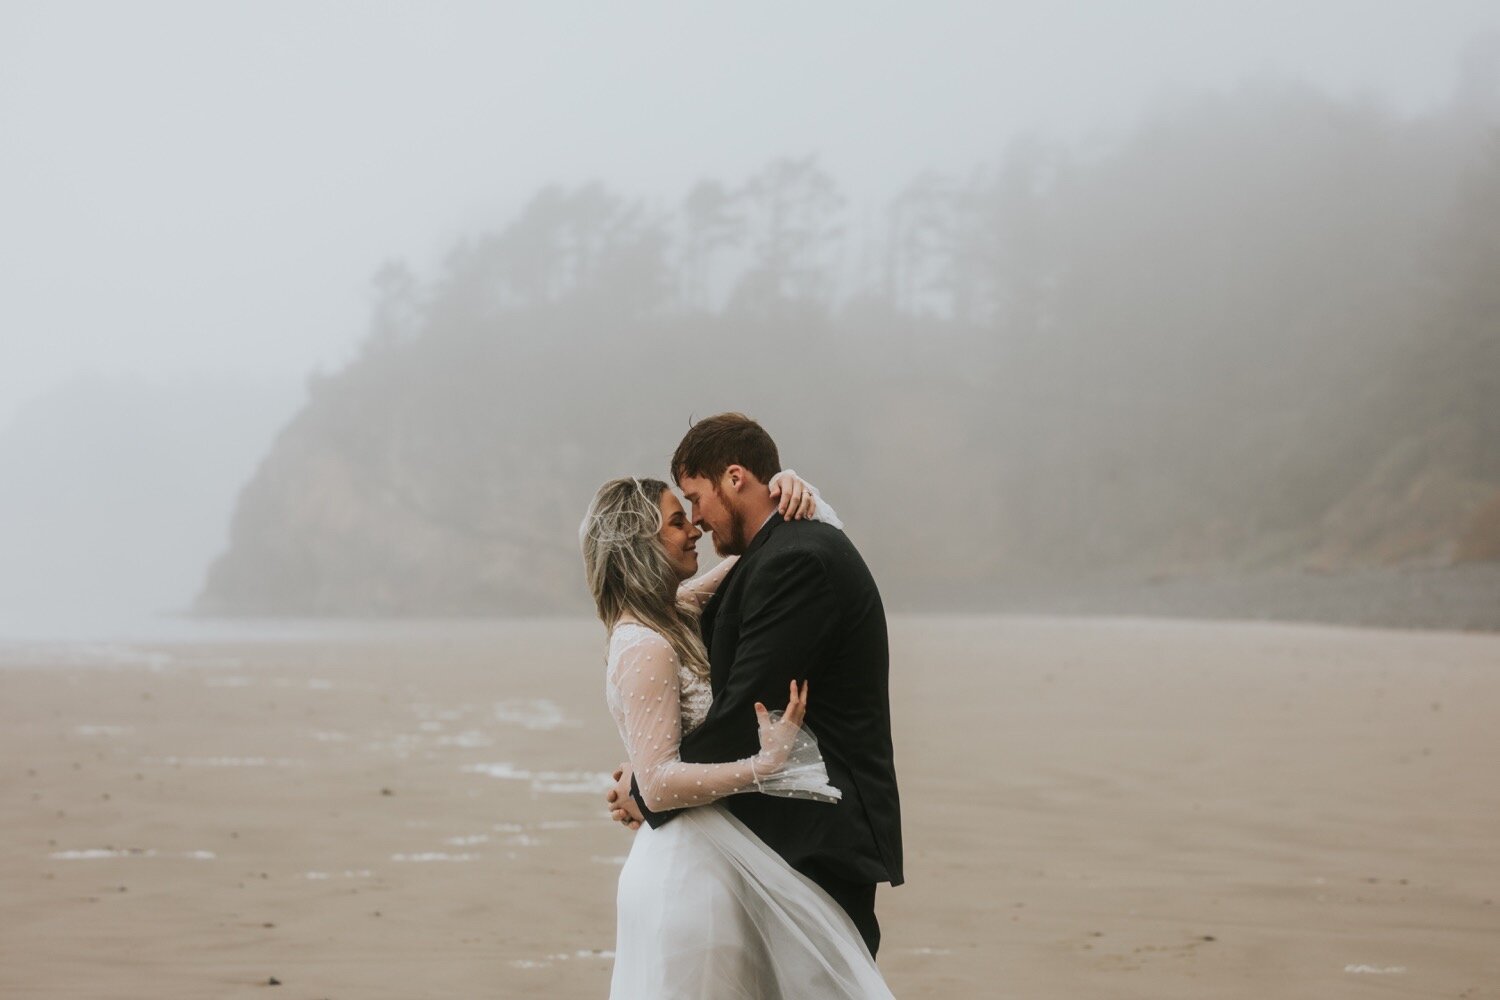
x=779 y=734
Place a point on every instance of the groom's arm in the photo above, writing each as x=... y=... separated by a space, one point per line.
x=789 y=616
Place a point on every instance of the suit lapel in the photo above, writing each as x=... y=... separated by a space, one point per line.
x=727 y=600
x=711 y=609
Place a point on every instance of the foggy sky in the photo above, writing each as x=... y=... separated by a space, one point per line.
x=207 y=187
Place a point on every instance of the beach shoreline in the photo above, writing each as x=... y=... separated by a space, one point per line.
x=1119 y=807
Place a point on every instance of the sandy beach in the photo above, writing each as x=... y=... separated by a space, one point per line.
x=1093 y=808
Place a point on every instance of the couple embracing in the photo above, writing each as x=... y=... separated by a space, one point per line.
x=762 y=833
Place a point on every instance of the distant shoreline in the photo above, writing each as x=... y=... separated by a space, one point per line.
x=1463 y=598
x=1457 y=598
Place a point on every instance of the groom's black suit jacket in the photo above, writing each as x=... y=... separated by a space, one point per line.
x=802 y=604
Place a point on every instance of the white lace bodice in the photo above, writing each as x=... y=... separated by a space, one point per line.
x=697 y=695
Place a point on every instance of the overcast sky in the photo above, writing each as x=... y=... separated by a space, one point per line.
x=207 y=187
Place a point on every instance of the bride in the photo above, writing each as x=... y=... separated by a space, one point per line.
x=705 y=908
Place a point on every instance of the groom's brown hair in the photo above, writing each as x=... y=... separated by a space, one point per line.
x=715 y=443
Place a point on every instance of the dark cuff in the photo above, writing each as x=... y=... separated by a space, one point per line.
x=653 y=819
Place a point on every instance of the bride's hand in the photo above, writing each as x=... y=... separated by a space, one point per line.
x=797 y=499
x=778 y=735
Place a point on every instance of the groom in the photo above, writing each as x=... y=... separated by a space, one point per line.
x=799 y=604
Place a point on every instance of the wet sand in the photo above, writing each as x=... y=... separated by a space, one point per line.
x=1093 y=808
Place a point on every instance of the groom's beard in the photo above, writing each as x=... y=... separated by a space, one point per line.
x=733 y=541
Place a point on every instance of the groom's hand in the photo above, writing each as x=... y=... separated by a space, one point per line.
x=622 y=807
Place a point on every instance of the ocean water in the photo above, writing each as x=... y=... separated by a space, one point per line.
x=144 y=640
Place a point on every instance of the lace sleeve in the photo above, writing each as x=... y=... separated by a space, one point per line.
x=644 y=697
x=700 y=588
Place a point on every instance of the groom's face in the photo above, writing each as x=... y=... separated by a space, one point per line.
x=716 y=511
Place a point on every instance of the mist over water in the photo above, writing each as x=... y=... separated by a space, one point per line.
x=115 y=491
x=1034 y=295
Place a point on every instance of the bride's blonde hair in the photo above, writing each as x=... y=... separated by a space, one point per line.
x=628 y=571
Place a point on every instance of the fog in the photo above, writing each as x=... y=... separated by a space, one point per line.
x=270 y=269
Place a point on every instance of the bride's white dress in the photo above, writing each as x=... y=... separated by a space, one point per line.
x=706 y=910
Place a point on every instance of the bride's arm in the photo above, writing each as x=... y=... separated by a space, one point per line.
x=701 y=587
x=644 y=678
x=800 y=499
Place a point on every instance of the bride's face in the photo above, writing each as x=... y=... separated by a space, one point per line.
x=679 y=536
